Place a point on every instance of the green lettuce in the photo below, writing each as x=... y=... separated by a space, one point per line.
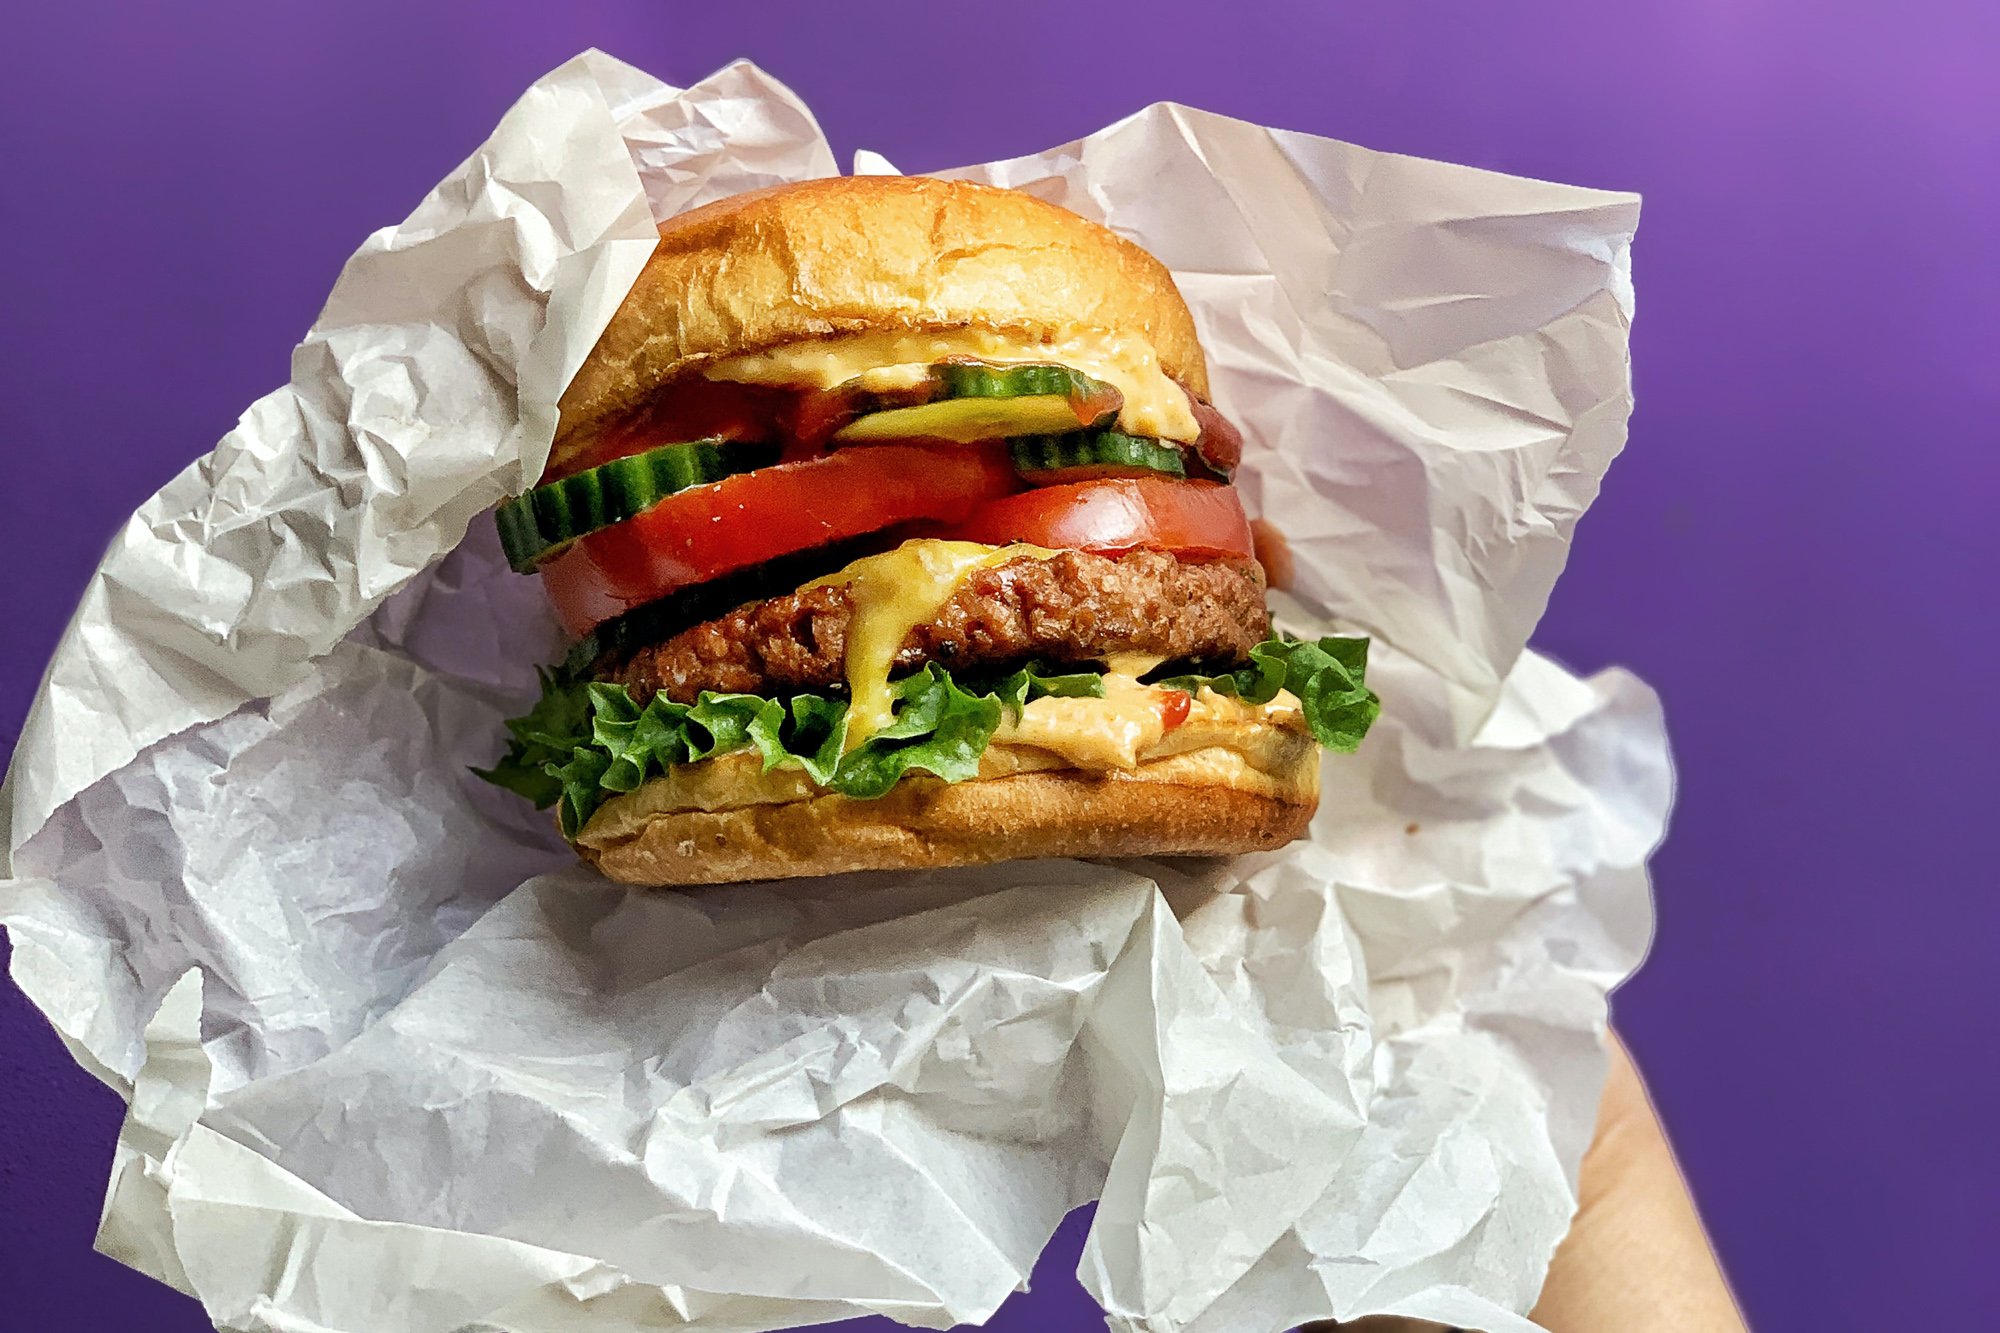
x=1326 y=675
x=542 y=741
x=587 y=741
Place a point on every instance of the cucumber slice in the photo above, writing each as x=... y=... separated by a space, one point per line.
x=975 y=400
x=1089 y=455
x=552 y=516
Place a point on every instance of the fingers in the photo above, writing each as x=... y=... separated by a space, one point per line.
x=1636 y=1257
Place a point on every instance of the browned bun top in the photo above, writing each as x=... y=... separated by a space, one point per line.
x=873 y=253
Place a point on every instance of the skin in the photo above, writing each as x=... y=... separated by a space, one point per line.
x=1636 y=1259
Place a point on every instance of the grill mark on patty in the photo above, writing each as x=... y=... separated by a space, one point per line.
x=1074 y=607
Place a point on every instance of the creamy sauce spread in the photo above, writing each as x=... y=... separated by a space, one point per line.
x=1154 y=404
x=1091 y=733
x=1127 y=727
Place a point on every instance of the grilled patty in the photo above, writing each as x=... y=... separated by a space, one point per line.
x=1075 y=607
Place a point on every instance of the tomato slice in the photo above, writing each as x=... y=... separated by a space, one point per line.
x=689 y=409
x=1121 y=514
x=752 y=517
x=1220 y=444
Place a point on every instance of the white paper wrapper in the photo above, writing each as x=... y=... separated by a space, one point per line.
x=397 y=1066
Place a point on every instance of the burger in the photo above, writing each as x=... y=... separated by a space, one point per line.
x=893 y=525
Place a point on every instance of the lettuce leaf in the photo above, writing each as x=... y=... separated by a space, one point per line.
x=938 y=728
x=1326 y=675
x=541 y=740
x=586 y=741
x=1017 y=690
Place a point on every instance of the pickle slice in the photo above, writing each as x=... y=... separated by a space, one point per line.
x=1091 y=455
x=977 y=400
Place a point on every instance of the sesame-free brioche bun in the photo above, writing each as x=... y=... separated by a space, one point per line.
x=1204 y=802
x=852 y=254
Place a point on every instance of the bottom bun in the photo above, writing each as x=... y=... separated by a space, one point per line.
x=1206 y=802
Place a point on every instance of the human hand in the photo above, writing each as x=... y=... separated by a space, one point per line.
x=1636 y=1257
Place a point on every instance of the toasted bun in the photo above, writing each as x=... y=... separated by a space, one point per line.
x=872 y=253
x=1184 y=805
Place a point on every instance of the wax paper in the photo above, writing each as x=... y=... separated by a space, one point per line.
x=397 y=1064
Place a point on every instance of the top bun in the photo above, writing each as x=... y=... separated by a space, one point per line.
x=855 y=254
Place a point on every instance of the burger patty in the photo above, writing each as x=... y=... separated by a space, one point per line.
x=1074 y=607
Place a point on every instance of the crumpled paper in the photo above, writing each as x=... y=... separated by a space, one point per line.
x=396 y=1064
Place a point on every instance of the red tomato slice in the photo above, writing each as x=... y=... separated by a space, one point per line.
x=756 y=516
x=1121 y=514
x=690 y=409
x=1220 y=444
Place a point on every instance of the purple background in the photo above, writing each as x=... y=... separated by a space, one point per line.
x=1798 y=549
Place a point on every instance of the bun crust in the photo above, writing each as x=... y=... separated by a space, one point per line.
x=866 y=253
x=1164 y=808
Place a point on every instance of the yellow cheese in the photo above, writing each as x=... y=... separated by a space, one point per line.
x=892 y=594
x=1154 y=404
x=1131 y=664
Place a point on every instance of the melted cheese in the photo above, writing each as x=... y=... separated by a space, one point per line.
x=892 y=594
x=1154 y=404
x=1131 y=664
